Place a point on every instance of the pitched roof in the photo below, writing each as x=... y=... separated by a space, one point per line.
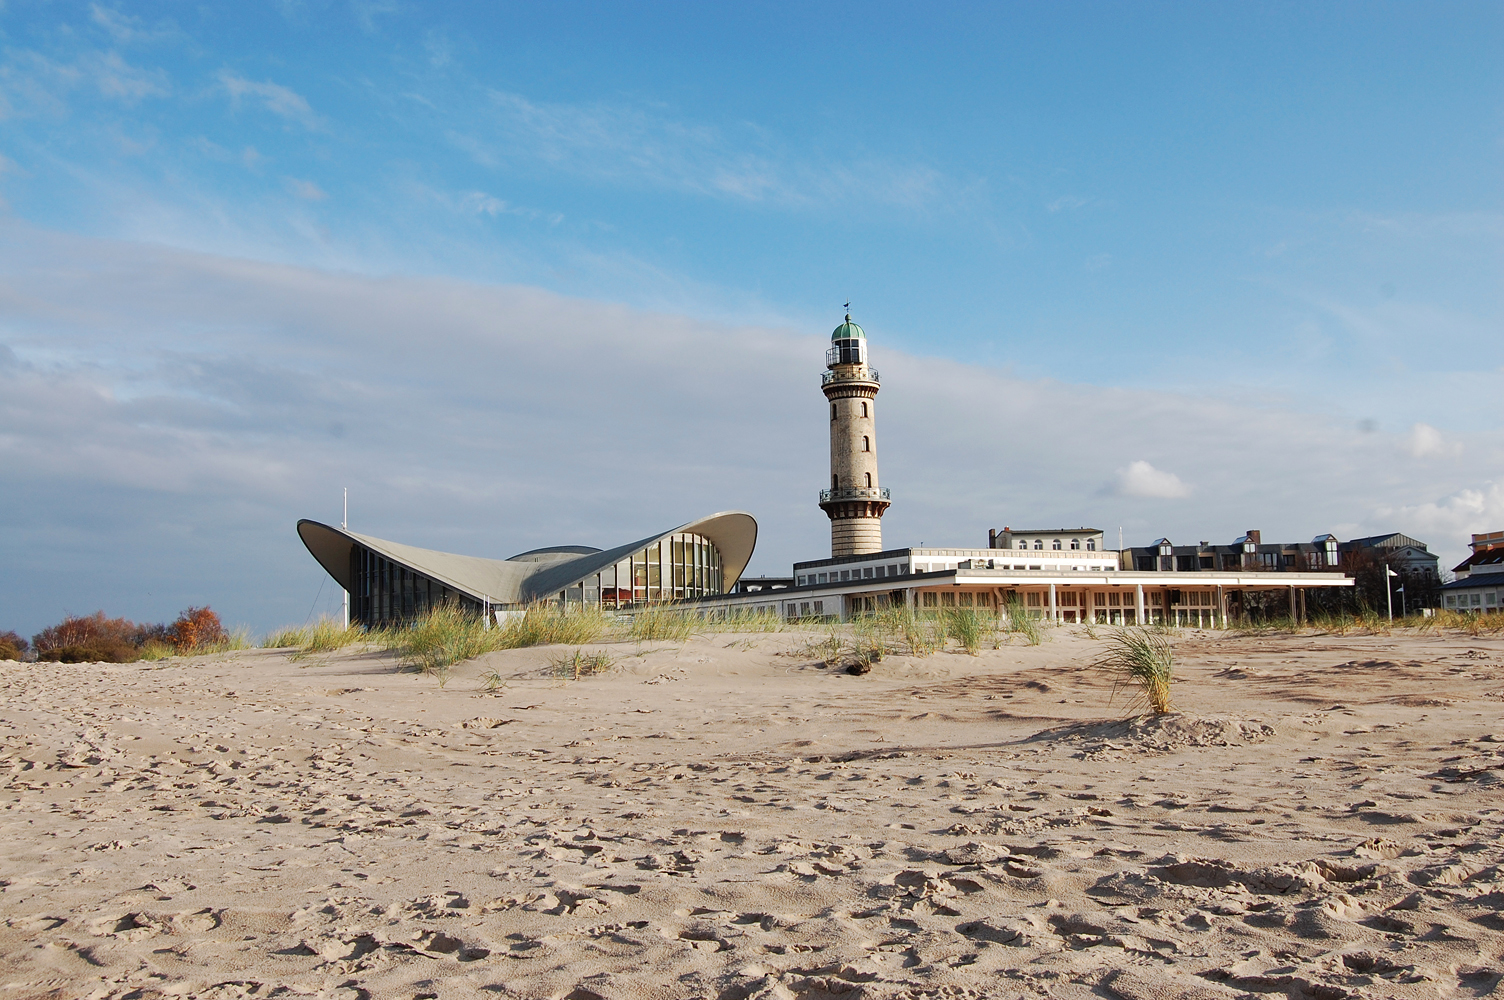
x=1476 y=580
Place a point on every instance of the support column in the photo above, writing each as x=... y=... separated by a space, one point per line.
x=1303 y=592
x=1292 y=605
x=1139 y=594
x=1054 y=612
x=1221 y=607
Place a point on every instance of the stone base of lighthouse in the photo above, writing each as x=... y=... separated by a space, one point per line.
x=856 y=526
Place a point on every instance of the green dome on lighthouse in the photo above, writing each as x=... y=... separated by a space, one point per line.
x=847 y=331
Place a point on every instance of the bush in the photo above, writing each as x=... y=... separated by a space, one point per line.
x=12 y=646
x=90 y=639
x=195 y=629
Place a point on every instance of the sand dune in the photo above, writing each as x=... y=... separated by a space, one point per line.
x=726 y=818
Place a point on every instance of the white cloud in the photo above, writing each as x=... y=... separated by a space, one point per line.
x=1067 y=202
x=633 y=145
x=307 y=190
x=123 y=82
x=125 y=29
x=1140 y=479
x=1425 y=441
x=32 y=84
x=1448 y=523
x=273 y=97
x=166 y=416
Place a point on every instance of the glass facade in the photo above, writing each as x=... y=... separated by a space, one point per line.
x=388 y=593
x=680 y=566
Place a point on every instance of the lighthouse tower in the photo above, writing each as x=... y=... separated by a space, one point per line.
x=855 y=502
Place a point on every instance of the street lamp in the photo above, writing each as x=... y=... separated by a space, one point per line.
x=1389 y=593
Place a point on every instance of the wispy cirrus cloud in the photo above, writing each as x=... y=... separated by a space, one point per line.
x=127 y=29
x=640 y=146
x=34 y=84
x=273 y=97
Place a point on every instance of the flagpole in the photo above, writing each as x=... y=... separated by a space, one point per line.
x=344 y=522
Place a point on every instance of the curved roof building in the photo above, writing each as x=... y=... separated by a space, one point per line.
x=391 y=582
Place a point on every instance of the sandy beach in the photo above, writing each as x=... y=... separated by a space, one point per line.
x=728 y=818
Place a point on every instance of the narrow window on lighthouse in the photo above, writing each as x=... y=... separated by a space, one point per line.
x=869 y=480
x=832 y=411
x=866 y=444
x=864 y=409
x=835 y=482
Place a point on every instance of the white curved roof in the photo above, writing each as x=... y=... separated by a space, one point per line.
x=529 y=576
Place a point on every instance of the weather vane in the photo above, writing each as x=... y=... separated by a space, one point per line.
x=848 y=312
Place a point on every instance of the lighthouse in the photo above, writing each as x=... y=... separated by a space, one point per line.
x=855 y=501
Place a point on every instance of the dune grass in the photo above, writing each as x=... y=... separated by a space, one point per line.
x=323 y=636
x=660 y=622
x=581 y=664
x=285 y=638
x=1140 y=657
x=973 y=628
x=445 y=636
x=546 y=624
x=1020 y=622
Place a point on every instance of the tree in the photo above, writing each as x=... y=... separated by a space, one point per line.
x=196 y=628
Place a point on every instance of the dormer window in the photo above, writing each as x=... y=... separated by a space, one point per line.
x=1091 y=545
x=1075 y=544
x=1055 y=545
x=1039 y=543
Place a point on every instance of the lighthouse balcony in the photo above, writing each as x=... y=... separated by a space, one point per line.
x=854 y=493
x=859 y=375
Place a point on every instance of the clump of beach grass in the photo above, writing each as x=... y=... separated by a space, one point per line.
x=920 y=636
x=445 y=636
x=868 y=644
x=547 y=624
x=285 y=638
x=325 y=636
x=156 y=650
x=826 y=648
x=581 y=664
x=658 y=622
x=1020 y=622
x=971 y=627
x=748 y=620
x=1140 y=657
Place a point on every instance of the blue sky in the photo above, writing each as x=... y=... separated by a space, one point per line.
x=1187 y=232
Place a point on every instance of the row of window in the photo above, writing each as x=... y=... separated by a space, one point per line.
x=681 y=566
x=859 y=573
x=1254 y=561
x=387 y=593
x=1056 y=544
x=1484 y=600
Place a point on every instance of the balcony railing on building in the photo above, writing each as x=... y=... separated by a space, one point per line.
x=827 y=377
x=854 y=493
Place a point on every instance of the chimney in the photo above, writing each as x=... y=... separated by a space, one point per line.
x=992 y=538
x=1254 y=536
